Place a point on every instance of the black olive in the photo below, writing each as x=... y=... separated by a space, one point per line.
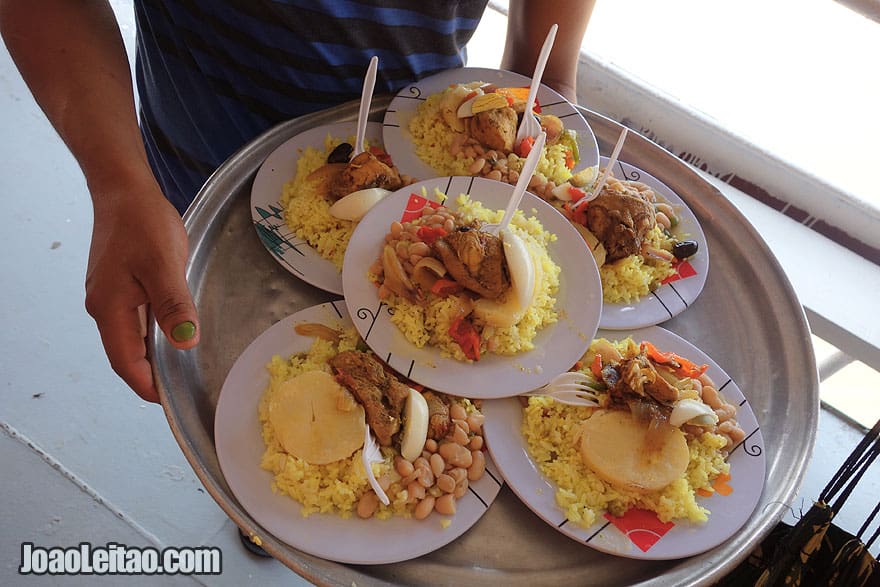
x=463 y=229
x=340 y=154
x=684 y=249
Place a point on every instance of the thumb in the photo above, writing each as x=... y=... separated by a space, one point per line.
x=175 y=312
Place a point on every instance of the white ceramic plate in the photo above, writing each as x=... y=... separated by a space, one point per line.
x=404 y=106
x=675 y=296
x=294 y=253
x=643 y=538
x=557 y=346
x=353 y=540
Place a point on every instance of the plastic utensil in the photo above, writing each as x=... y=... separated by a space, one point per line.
x=366 y=99
x=611 y=161
x=568 y=388
x=530 y=127
x=521 y=184
x=373 y=454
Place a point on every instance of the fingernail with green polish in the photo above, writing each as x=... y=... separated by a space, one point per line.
x=184 y=331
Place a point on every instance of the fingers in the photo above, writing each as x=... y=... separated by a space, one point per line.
x=173 y=308
x=122 y=334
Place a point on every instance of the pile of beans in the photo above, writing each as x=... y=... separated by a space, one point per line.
x=440 y=476
x=410 y=247
x=727 y=425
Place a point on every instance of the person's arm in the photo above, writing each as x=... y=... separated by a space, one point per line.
x=528 y=23
x=72 y=57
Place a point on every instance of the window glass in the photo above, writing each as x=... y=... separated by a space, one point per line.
x=796 y=77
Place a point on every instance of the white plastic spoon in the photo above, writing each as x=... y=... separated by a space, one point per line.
x=530 y=127
x=364 y=112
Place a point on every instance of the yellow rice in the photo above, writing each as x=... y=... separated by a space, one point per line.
x=307 y=211
x=334 y=488
x=429 y=325
x=433 y=137
x=635 y=276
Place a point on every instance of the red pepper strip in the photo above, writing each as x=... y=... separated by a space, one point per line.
x=576 y=193
x=429 y=234
x=445 y=287
x=569 y=159
x=596 y=366
x=680 y=366
x=578 y=214
x=525 y=146
x=380 y=154
x=463 y=332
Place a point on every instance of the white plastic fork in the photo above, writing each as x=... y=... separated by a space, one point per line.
x=522 y=183
x=529 y=127
x=371 y=453
x=569 y=388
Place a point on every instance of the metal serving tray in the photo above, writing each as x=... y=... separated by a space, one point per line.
x=748 y=319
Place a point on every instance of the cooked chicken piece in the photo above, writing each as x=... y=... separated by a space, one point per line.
x=362 y=172
x=381 y=394
x=475 y=259
x=638 y=379
x=439 y=420
x=620 y=219
x=496 y=129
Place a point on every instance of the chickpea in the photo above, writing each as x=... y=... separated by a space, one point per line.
x=396 y=228
x=445 y=504
x=425 y=478
x=446 y=483
x=476 y=166
x=420 y=248
x=438 y=465
x=403 y=467
x=459 y=474
x=367 y=505
x=475 y=421
x=415 y=492
x=461 y=488
x=478 y=466
x=711 y=397
x=424 y=508
x=462 y=424
x=456 y=454
x=431 y=445
x=494 y=174
x=476 y=443
x=457 y=412
x=459 y=436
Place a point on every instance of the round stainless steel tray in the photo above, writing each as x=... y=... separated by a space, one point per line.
x=748 y=319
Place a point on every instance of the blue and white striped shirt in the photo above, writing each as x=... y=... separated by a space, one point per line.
x=212 y=75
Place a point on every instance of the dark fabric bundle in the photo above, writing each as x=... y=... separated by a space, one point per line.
x=815 y=552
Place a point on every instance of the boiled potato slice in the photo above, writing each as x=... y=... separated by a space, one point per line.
x=313 y=421
x=616 y=447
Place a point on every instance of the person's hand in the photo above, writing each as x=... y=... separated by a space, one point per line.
x=137 y=259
